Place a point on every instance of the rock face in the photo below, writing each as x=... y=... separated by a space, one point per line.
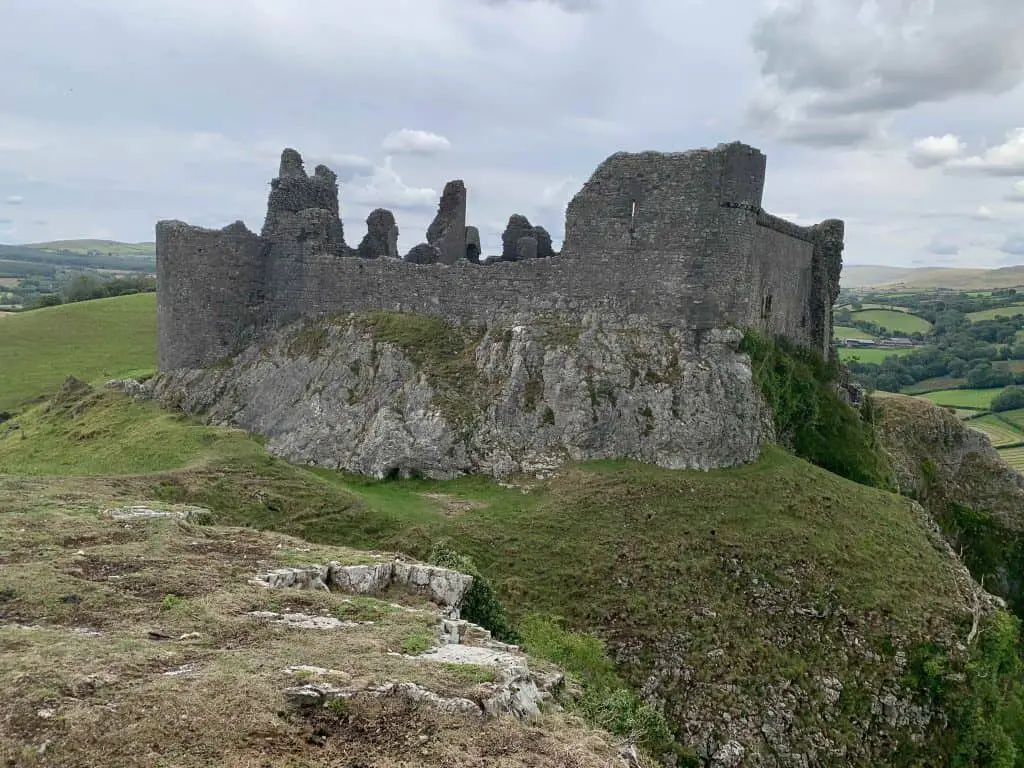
x=381 y=237
x=503 y=400
x=447 y=232
x=424 y=253
x=303 y=210
x=956 y=474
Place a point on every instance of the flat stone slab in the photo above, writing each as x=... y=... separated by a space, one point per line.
x=141 y=512
x=305 y=621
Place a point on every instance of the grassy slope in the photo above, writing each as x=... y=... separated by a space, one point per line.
x=894 y=320
x=93 y=340
x=845 y=332
x=979 y=399
x=631 y=549
x=858 y=276
x=870 y=355
x=102 y=246
x=991 y=314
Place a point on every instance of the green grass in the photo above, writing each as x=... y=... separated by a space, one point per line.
x=1014 y=457
x=101 y=246
x=1012 y=310
x=846 y=332
x=847 y=354
x=92 y=340
x=933 y=385
x=1014 y=417
x=102 y=433
x=894 y=320
x=997 y=430
x=977 y=399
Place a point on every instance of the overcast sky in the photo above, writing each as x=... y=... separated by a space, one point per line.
x=906 y=120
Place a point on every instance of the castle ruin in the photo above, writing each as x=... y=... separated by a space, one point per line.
x=679 y=238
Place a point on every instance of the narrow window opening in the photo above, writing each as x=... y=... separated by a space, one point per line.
x=632 y=218
x=803 y=321
x=766 y=307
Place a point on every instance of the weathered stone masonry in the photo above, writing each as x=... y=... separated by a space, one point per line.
x=680 y=238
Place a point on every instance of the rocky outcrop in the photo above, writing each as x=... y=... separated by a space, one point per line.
x=381 y=237
x=447 y=232
x=499 y=400
x=956 y=474
x=473 y=249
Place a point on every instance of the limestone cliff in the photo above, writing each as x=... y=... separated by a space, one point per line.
x=954 y=471
x=387 y=394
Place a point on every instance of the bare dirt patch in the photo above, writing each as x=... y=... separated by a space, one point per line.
x=453 y=506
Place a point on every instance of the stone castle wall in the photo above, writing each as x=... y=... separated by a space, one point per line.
x=679 y=238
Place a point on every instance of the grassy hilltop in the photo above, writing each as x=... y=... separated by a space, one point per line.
x=748 y=580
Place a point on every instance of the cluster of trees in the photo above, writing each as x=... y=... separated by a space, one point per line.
x=86 y=286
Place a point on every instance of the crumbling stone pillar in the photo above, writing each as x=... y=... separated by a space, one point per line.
x=544 y=249
x=473 y=249
x=517 y=228
x=381 y=237
x=424 y=253
x=447 y=232
x=303 y=211
x=526 y=247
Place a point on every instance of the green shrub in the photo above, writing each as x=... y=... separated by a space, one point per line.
x=1009 y=399
x=606 y=701
x=810 y=416
x=981 y=695
x=480 y=604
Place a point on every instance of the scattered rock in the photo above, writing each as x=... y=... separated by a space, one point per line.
x=141 y=512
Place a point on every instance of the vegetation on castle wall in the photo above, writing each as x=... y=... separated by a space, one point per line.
x=810 y=416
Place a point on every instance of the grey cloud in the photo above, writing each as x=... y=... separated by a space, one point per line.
x=571 y=6
x=943 y=248
x=1016 y=194
x=826 y=58
x=348 y=167
x=1013 y=245
x=6 y=221
x=1005 y=159
x=14 y=200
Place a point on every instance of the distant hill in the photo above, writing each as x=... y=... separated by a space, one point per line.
x=112 y=247
x=863 y=276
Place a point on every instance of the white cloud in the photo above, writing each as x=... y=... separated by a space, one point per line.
x=385 y=189
x=570 y=6
x=1006 y=159
x=1017 y=193
x=935 y=150
x=1013 y=245
x=14 y=200
x=984 y=213
x=410 y=142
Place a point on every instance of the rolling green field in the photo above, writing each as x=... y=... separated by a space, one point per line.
x=870 y=355
x=92 y=340
x=977 y=399
x=998 y=431
x=1014 y=457
x=846 y=332
x=97 y=246
x=933 y=385
x=991 y=314
x=894 y=320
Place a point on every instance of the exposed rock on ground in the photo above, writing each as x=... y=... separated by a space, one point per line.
x=221 y=671
x=387 y=395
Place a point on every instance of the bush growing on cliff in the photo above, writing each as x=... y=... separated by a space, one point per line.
x=982 y=696
x=810 y=416
x=480 y=604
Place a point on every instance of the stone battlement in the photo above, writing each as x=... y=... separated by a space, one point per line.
x=679 y=238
